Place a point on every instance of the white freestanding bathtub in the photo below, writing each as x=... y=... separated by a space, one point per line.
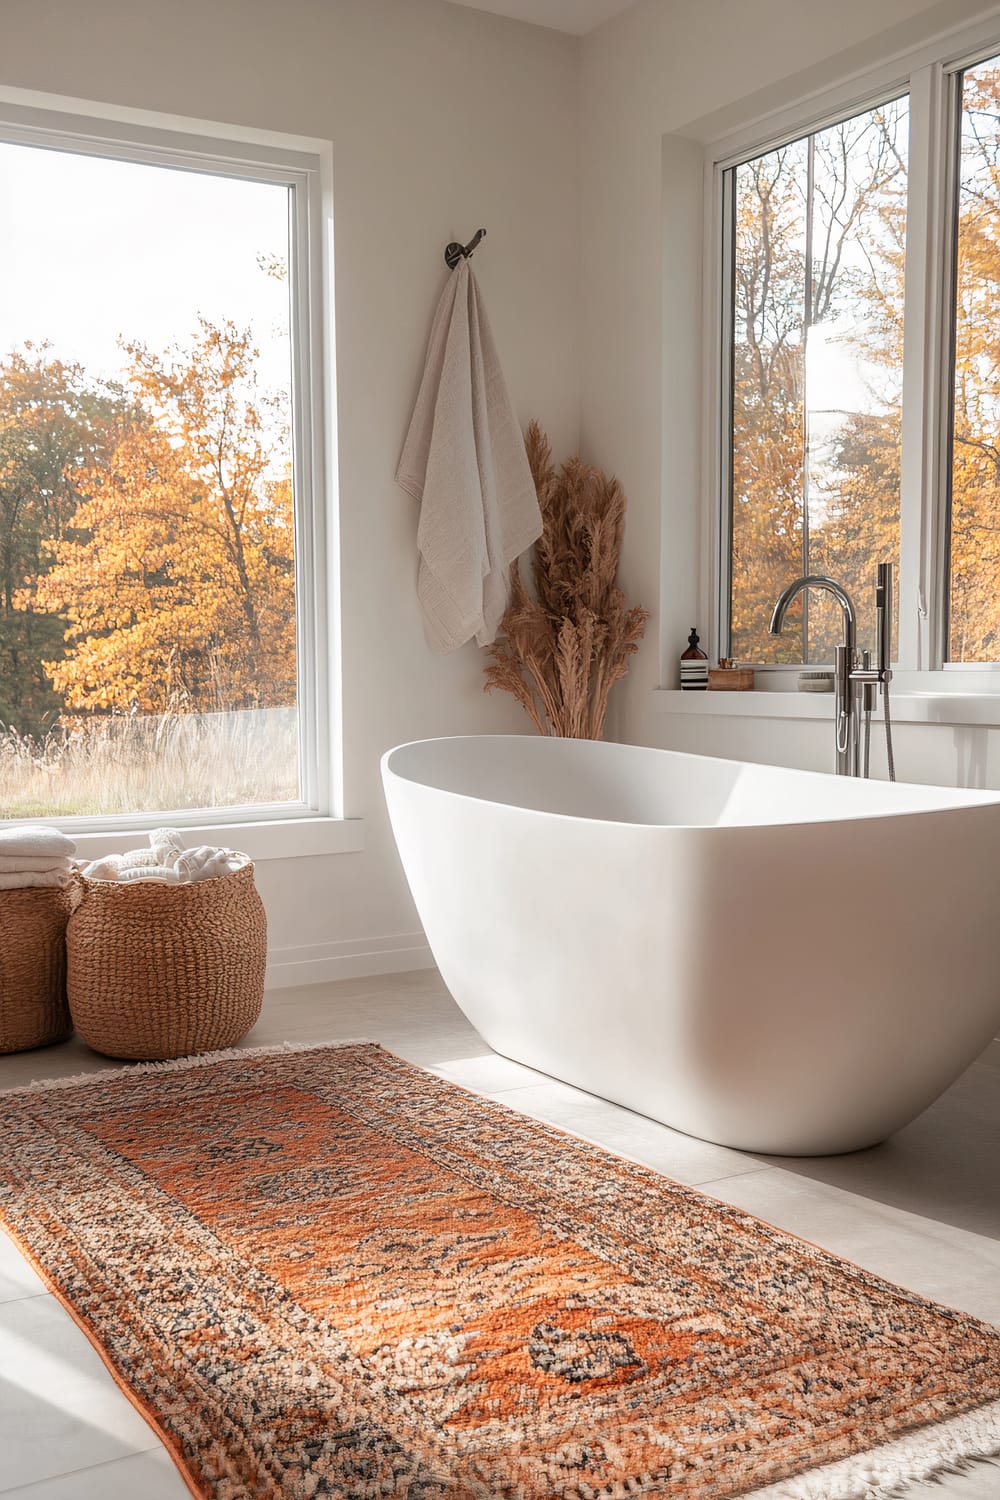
x=779 y=961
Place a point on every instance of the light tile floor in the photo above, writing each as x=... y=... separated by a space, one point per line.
x=923 y=1209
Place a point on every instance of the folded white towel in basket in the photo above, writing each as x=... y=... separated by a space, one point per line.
x=135 y=859
x=16 y=864
x=26 y=879
x=34 y=840
x=149 y=872
x=203 y=863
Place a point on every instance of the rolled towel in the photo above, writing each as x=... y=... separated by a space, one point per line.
x=167 y=839
x=35 y=840
x=12 y=881
x=136 y=859
x=188 y=861
x=102 y=869
x=202 y=863
x=15 y=864
x=165 y=846
x=149 y=872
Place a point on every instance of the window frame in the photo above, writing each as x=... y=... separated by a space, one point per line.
x=931 y=77
x=303 y=165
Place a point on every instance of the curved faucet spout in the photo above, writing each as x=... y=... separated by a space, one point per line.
x=845 y=709
x=854 y=679
x=816 y=581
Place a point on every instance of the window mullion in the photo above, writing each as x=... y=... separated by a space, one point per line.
x=807 y=323
x=925 y=361
x=721 y=335
x=305 y=259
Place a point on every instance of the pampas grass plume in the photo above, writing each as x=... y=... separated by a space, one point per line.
x=563 y=646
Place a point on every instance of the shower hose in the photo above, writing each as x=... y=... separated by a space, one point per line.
x=889 y=753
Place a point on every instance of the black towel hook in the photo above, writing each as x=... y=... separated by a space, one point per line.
x=456 y=252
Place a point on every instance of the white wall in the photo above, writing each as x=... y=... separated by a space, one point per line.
x=935 y=754
x=442 y=119
x=657 y=83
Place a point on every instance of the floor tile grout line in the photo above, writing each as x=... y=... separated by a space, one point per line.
x=518 y=1088
x=85 y=1469
x=728 y=1177
x=111 y=1391
x=22 y=1296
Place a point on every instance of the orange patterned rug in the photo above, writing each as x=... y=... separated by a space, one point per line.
x=325 y=1272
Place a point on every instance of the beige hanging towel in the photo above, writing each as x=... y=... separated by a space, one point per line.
x=464 y=460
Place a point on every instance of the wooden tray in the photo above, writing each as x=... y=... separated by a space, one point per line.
x=730 y=679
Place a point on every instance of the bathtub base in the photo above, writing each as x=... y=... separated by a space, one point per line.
x=773 y=1144
x=742 y=1128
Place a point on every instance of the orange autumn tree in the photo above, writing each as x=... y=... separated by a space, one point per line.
x=768 y=425
x=54 y=422
x=175 y=582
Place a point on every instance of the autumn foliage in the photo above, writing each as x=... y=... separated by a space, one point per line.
x=149 y=558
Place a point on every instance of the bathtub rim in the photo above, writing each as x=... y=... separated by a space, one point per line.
x=973 y=798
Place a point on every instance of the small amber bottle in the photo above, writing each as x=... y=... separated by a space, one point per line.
x=694 y=666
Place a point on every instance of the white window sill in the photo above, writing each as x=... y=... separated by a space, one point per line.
x=906 y=707
x=288 y=838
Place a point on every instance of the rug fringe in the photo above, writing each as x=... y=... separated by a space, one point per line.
x=957 y=1446
x=178 y=1064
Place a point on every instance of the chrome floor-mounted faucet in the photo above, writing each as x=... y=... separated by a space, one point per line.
x=855 y=677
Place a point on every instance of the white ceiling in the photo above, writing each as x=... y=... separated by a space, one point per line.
x=577 y=16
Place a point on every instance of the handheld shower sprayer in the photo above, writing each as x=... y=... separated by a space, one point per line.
x=883 y=655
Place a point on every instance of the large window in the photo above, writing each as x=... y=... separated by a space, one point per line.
x=818 y=244
x=860 y=375
x=155 y=482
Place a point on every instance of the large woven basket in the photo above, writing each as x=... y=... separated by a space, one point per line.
x=158 y=971
x=33 y=1009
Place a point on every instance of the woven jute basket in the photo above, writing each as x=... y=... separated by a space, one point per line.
x=157 y=971
x=33 y=1009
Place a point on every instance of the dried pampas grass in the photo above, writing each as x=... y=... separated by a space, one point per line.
x=561 y=651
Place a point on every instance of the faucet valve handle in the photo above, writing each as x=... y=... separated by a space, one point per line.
x=868 y=684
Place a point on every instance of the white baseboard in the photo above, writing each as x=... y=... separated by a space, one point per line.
x=316 y=963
